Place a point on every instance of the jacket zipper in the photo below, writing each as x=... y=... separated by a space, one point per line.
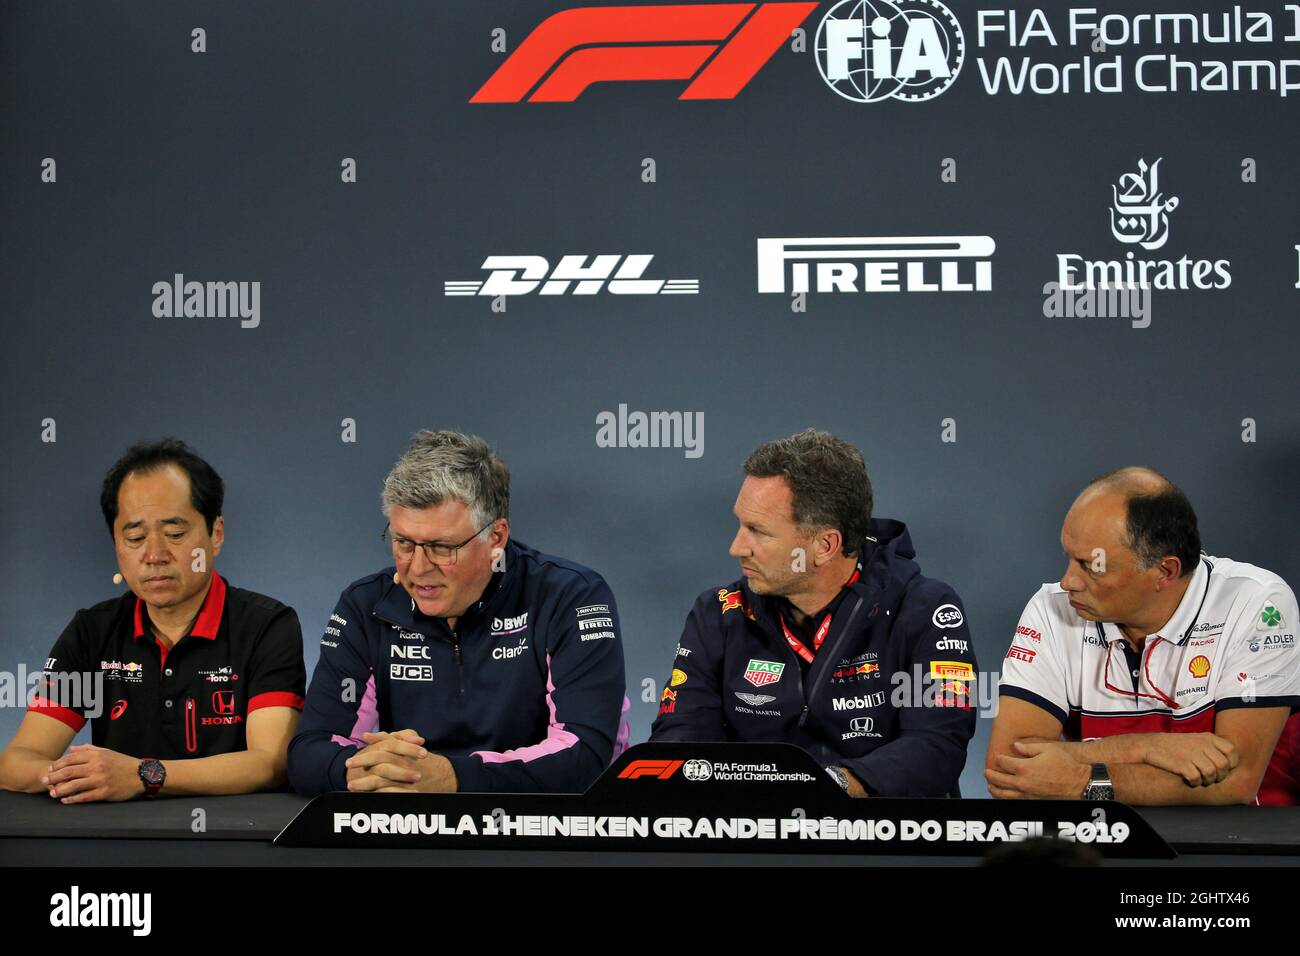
x=191 y=737
x=790 y=656
x=455 y=649
x=830 y=652
x=460 y=668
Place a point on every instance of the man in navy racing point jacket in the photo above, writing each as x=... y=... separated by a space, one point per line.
x=476 y=663
x=833 y=640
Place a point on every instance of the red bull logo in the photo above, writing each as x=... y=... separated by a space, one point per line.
x=730 y=600
x=857 y=669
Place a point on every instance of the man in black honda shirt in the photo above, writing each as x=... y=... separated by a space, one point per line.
x=193 y=686
x=833 y=640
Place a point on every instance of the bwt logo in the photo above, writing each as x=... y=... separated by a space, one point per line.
x=877 y=264
x=659 y=769
x=718 y=46
x=509 y=625
x=873 y=50
x=520 y=275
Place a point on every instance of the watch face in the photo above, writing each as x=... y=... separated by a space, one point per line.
x=151 y=772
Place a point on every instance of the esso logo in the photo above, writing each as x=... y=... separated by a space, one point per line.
x=947 y=615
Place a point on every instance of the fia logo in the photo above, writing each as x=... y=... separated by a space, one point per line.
x=874 y=50
x=1140 y=212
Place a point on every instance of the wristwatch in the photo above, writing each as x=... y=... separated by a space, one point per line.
x=839 y=776
x=153 y=775
x=1099 y=785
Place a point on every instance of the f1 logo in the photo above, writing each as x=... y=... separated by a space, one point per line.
x=659 y=769
x=720 y=45
x=223 y=702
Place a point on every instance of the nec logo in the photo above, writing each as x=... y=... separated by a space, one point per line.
x=718 y=46
x=409 y=652
x=659 y=769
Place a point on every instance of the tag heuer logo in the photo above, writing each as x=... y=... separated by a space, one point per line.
x=762 y=673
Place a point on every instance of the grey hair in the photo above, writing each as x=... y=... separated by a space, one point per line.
x=446 y=465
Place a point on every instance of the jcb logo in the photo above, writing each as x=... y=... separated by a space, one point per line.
x=718 y=46
x=659 y=769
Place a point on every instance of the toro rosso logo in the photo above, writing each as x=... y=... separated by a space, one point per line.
x=717 y=46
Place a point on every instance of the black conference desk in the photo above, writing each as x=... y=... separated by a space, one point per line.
x=36 y=831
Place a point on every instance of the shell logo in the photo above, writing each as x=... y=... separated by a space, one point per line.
x=1200 y=666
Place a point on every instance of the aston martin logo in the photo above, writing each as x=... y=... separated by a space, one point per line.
x=755 y=700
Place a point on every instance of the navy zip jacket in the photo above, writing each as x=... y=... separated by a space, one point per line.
x=888 y=695
x=525 y=696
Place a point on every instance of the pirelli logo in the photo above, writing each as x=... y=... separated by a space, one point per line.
x=951 y=670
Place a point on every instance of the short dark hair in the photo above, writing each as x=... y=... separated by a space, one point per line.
x=207 y=491
x=1161 y=520
x=827 y=478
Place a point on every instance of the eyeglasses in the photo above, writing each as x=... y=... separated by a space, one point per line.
x=443 y=555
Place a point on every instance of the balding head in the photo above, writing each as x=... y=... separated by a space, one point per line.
x=1132 y=480
x=1148 y=512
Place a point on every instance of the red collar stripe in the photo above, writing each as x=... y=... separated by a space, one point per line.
x=208 y=622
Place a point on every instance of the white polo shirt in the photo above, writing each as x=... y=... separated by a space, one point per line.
x=1230 y=643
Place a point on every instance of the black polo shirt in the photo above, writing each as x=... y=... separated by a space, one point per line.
x=243 y=652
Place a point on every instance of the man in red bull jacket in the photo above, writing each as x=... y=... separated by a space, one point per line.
x=833 y=640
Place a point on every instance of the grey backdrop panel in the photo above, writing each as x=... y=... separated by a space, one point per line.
x=225 y=165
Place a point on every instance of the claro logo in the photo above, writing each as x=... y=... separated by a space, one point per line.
x=717 y=46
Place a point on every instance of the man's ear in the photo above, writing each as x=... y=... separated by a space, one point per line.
x=827 y=546
x=1171 y=569
x=218 y=534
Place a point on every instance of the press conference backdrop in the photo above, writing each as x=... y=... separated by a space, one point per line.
x=294 y=233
